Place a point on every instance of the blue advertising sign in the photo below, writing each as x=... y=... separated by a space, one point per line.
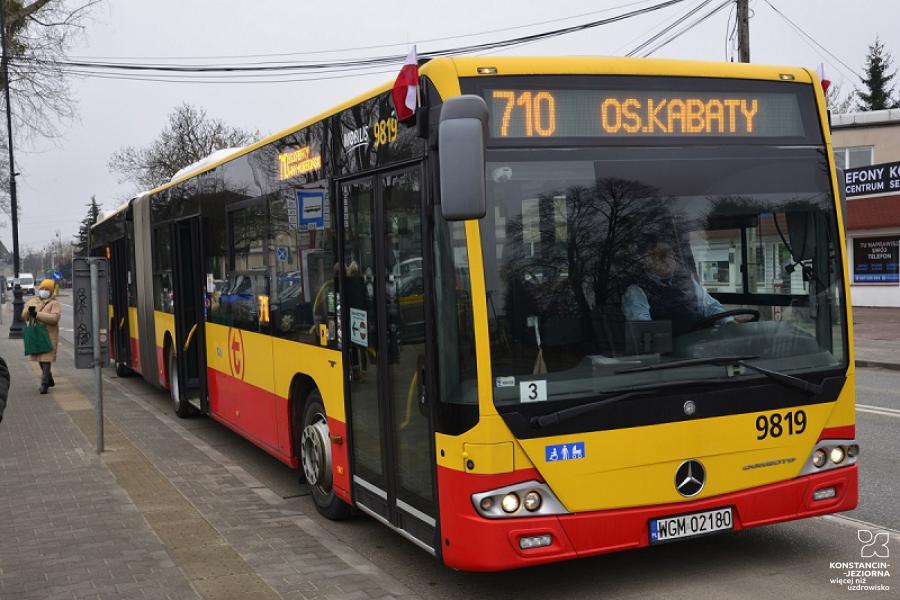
x=875 y=260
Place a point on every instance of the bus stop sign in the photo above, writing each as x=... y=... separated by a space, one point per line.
x=81 y=307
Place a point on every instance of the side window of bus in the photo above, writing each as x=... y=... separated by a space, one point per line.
x=163 y=294
x=302 y=261
x=237 y=301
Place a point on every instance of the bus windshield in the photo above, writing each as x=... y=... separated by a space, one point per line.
x=602 y=260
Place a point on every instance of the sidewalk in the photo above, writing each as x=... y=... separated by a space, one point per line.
x=876 y=333
x=160 y=515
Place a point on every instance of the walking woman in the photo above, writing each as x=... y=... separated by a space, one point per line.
x=45 y=309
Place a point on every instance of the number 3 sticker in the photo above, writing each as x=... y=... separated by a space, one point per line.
x=532 y=391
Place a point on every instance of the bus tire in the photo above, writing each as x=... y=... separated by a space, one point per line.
x=122 y=370
x=181 y=407
x=315 y=459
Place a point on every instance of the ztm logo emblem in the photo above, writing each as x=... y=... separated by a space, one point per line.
x=874 y=544
x=236 y=353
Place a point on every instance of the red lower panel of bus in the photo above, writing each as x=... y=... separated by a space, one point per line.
x=473 y=543
x=339 y=459
x=135 y=355
x=161 y=367
x=264 y=418
x=251 y=411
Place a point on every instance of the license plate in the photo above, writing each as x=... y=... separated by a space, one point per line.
x=694 y=524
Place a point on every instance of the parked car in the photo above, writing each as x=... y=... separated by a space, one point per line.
x=26 y=282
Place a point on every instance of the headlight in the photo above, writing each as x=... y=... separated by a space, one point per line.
x=831 y=454
x=524 y=499
x=837 y=454
x=510 y=502
x=532 y=500
x=819 y=457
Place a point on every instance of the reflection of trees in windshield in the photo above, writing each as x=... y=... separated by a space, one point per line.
x=572 y=257
x=571 y=252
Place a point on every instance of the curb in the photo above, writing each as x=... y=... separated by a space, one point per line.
x=875 y=364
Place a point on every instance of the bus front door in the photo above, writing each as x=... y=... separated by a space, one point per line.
x=385 y=341
x=189 y=297
x=119 y=326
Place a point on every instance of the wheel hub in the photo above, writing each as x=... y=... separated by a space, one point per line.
x=316 y=453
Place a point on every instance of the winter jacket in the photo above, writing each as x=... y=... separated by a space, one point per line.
x=48 y=312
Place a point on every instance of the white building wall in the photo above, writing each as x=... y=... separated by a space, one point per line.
x=871 y=294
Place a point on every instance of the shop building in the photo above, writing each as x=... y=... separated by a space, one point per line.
x=867 y=147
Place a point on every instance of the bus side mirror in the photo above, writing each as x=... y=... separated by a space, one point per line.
x=461 y=137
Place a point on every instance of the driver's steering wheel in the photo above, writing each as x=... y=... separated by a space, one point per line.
x=713 y=319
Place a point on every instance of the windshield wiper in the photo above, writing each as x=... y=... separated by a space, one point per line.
x=727 y=361
x=785 y=379
x=568 y=414
x=722 y=361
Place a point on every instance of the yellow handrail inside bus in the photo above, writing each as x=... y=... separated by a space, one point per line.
x=190 y=336
x=410 y=398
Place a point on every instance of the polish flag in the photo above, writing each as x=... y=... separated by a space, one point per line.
x=825 y=82
x=406 y=87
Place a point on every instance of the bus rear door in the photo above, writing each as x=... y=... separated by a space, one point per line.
x=119 y=328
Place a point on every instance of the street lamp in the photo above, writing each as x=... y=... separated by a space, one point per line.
x=15 y=328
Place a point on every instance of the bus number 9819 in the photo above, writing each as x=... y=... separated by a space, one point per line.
x=777 y=424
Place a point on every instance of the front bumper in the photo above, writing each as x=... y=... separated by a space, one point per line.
x=473 y=543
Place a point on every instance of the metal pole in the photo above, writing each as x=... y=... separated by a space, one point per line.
x=743 y=18
x=98 y=371
x=15 y=328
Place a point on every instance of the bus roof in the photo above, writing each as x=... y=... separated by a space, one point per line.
x=446 y=71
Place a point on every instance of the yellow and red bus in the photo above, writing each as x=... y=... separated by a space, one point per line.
x=573 y=306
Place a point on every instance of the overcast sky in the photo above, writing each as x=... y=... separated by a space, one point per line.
x=58 y=177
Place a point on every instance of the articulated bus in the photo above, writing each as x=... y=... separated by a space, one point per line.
x=572 y=306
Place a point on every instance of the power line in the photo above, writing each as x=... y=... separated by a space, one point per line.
x=372 y=47
x=350 y=63
x=813 y=40
x=642 y=34
x=687 y=28
x=668 y=28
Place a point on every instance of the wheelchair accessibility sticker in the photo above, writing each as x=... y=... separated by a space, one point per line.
x=559 y=452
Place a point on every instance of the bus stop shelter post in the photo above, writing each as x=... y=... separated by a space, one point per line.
x=98 y=367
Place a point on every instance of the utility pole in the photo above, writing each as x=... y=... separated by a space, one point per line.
x=15 y=328
x=743 y=20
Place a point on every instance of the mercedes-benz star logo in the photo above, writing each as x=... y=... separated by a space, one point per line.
x=689 y=478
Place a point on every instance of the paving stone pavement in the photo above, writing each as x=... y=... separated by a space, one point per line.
x=160 y=515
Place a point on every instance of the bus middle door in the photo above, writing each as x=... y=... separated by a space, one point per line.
x=189 y=299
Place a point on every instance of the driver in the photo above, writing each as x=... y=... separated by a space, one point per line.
x=668 y=292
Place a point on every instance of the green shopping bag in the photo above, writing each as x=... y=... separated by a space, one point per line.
x=36 y=338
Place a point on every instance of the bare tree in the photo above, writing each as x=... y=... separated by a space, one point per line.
x=39 y=35
x=837 y=102
x=190 y=136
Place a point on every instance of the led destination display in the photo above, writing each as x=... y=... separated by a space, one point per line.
x=550 y=113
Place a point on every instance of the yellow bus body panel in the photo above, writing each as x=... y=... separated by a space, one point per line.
x=271 y=364
x=133 y=329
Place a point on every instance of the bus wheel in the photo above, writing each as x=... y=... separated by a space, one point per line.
x=179 y=405
x=315 y=459
x=122 y=370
